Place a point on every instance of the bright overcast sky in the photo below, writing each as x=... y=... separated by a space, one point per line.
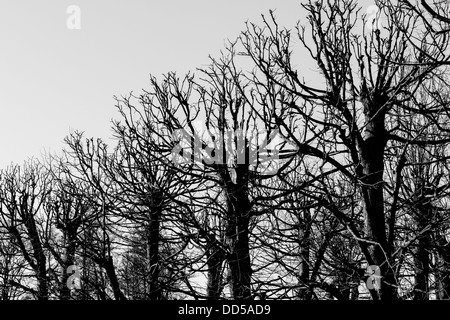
x=54 y=80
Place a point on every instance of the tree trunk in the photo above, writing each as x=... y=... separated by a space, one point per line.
x=108 y=265
x=153 y=239
x=371 y=154
x=421 y=255
x=42 y=278
x=38 y=253
x=422 y=269
x=239 y=258
x=237 y=234
x=69 y=261
x=304 y=231
x=215 y=258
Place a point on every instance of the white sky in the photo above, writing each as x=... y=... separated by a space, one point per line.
x=54 y=80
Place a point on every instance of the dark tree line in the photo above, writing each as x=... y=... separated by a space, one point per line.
x=255 y=177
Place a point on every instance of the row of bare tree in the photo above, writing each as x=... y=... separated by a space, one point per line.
x=257 y=176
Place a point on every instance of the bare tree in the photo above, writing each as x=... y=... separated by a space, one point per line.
x=100 y=227
x=12 y=269
x=66 y=209
x=348 y=124
x=23 y=191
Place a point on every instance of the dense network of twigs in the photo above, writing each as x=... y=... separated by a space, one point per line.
x=304 y=163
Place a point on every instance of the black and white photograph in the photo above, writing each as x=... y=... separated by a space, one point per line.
x=225 y=156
